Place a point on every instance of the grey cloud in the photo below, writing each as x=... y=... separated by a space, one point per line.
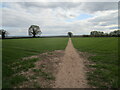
x=105 y=20
x=50 y=4
x=91 y=6
x=53 y=21
x=99 y=6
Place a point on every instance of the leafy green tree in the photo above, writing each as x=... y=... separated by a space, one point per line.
x=96 y=33
x=3 y=33
x=106 y=34
x=34 y=30
x=70 y=34
x=115 y=33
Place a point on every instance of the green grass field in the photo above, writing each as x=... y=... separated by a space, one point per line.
x=15 y=49
x=105 y=72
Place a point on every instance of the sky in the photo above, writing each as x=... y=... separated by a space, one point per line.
x=58 y=18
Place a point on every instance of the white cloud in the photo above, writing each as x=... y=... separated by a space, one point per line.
x=51 y=17
x=59 y=1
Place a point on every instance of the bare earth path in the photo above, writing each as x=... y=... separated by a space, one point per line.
x=71 y=72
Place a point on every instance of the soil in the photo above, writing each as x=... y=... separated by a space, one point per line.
x=68 y=67
x=72 y=70
x=48 y=62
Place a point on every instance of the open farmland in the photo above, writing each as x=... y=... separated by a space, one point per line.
x=57 y=44
x=50 y=62
x=15 y=49
x=104 y=68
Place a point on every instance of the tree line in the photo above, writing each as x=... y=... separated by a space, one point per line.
x=115 y=33
x=34 y=30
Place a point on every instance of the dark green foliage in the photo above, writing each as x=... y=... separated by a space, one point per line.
x=34 y=30
x=96 y=33
x=3 y=33
x=115 y=33
x=13 y=81
x=70 y=34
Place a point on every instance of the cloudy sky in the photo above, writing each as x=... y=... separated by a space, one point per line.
x=58 y=18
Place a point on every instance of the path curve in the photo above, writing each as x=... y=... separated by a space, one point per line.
x=71 y=72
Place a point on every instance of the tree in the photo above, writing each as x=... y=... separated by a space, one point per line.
x=115 y=33
x=3 y=33
x=70 y=34
x=34 y=30
x=96 y=33
x=106 y=34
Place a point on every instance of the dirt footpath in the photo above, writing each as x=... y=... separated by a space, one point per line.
x=71 y=72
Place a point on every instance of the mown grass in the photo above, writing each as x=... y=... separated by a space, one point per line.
x=14 y=50
x=105 y=49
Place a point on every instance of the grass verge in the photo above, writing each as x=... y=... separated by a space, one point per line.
x=105 y=70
